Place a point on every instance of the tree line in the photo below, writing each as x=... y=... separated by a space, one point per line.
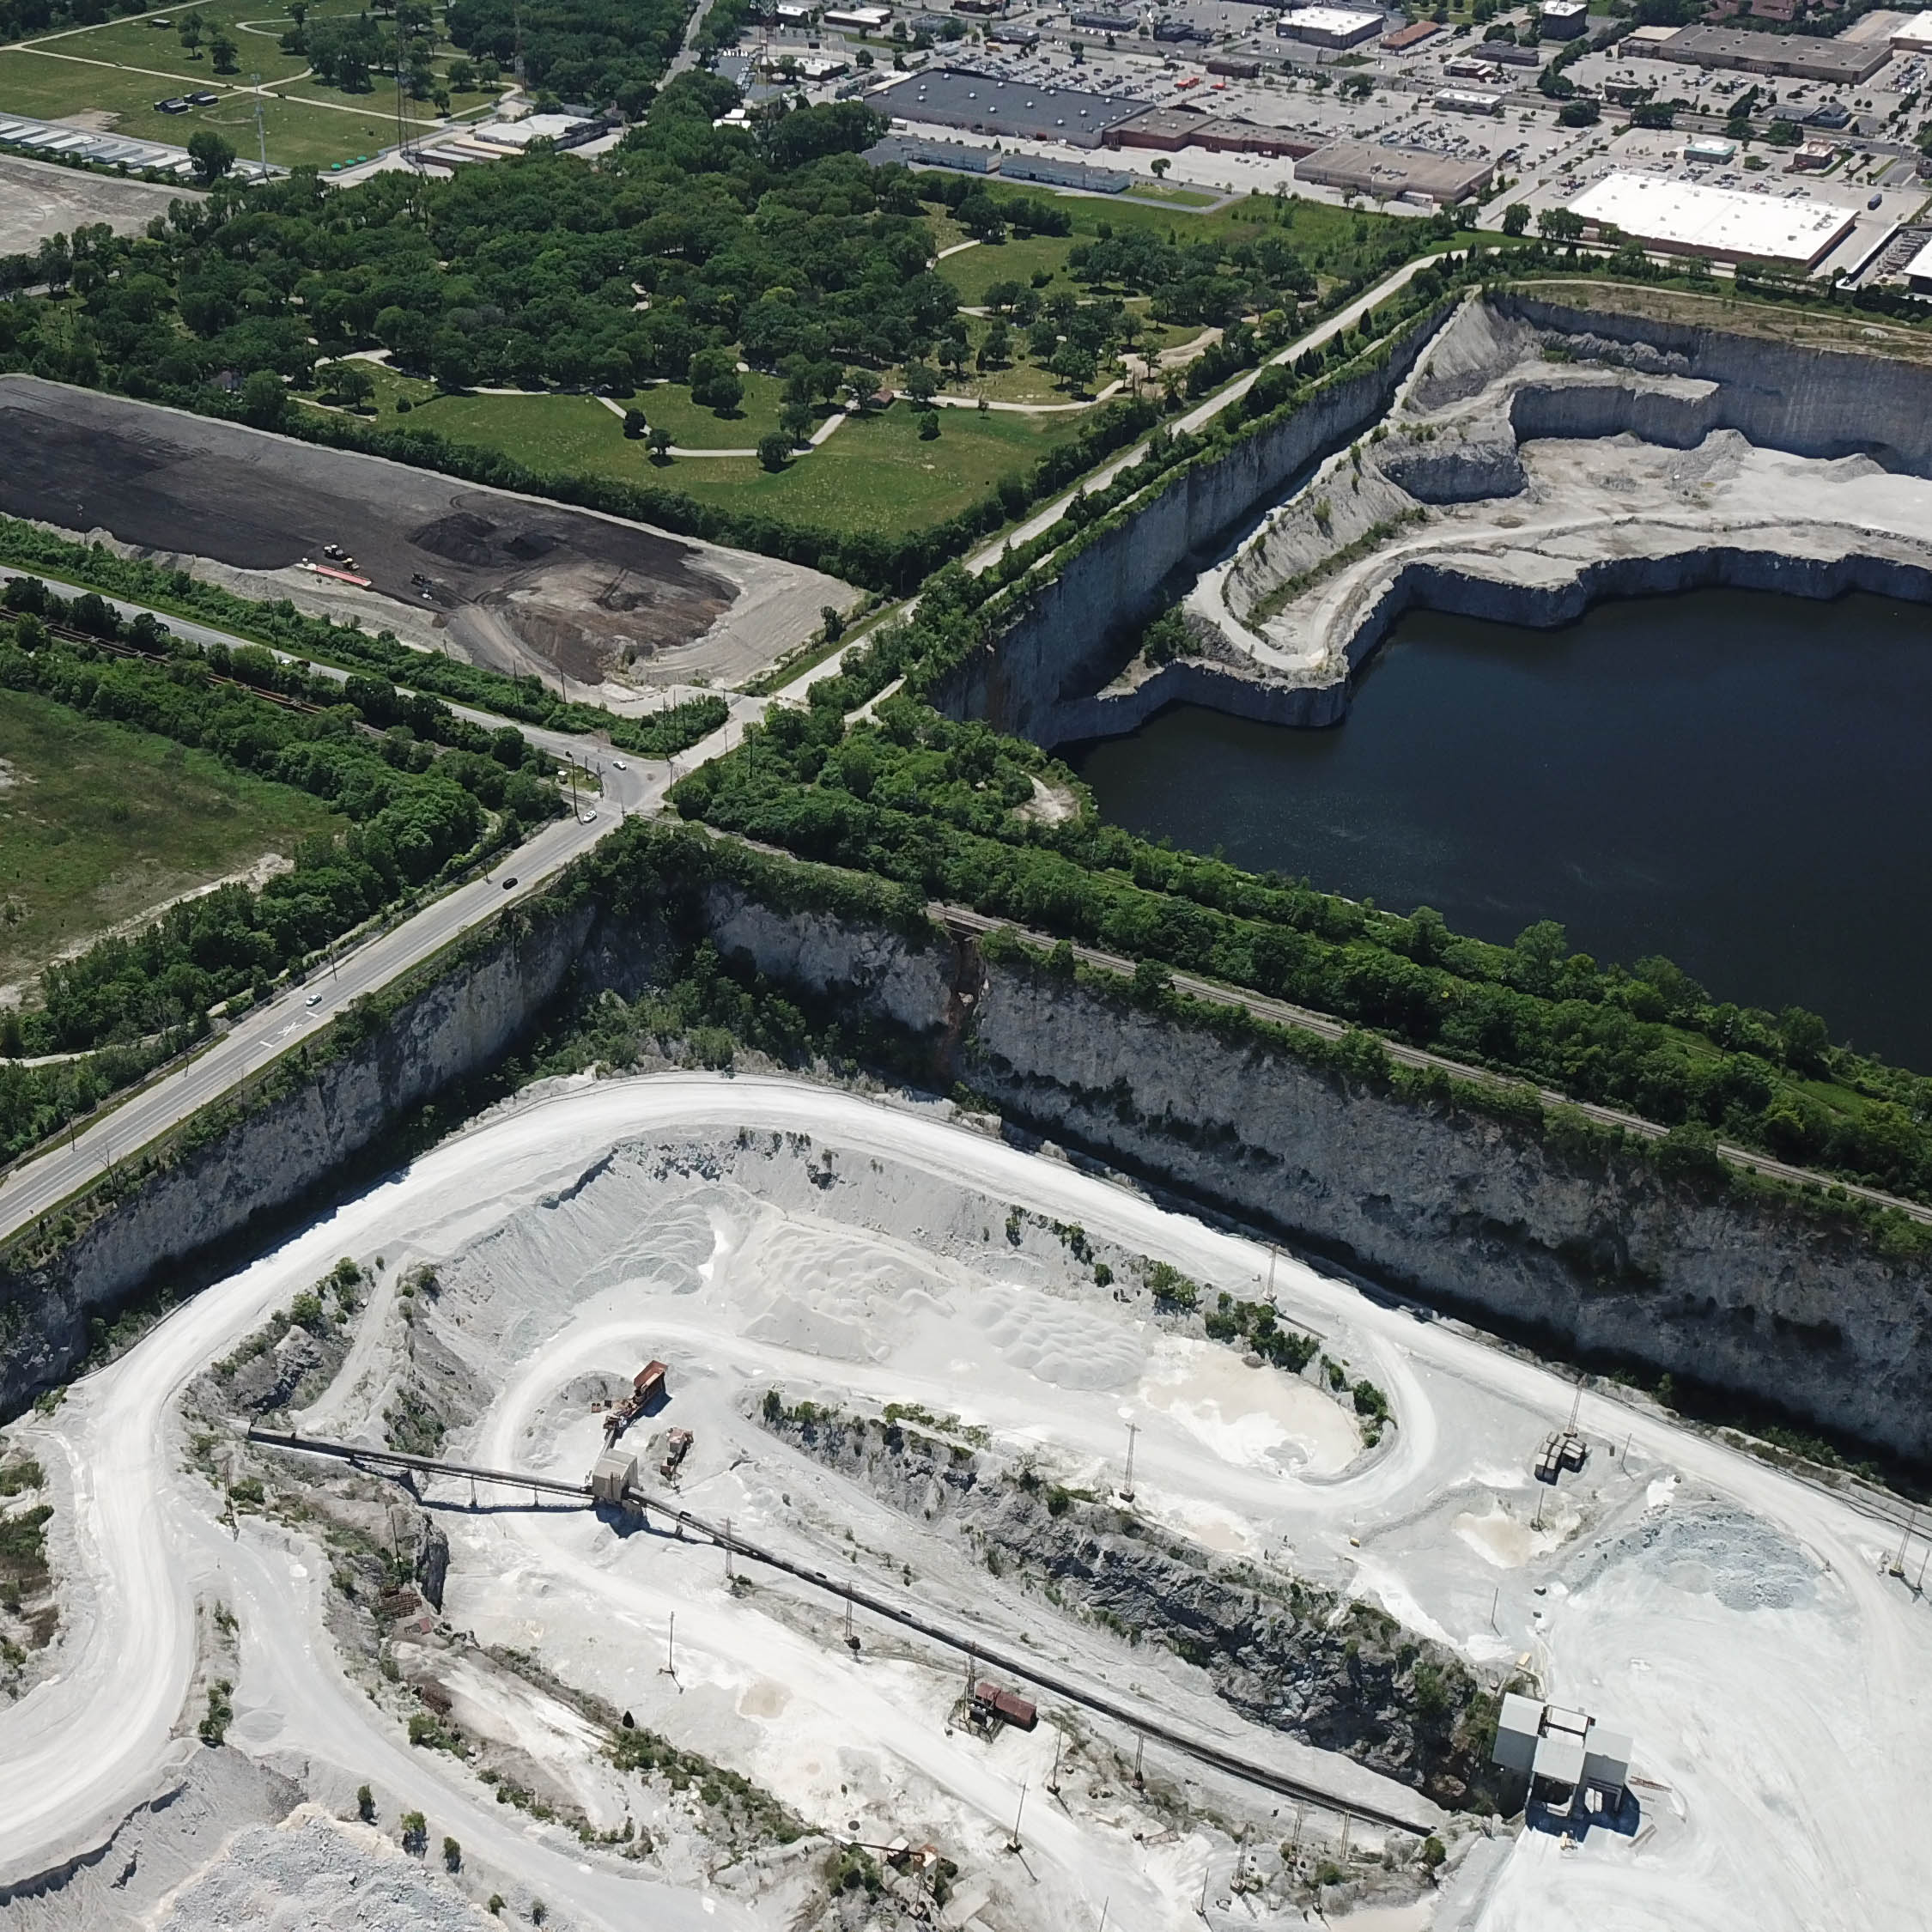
x=524 y=699
x=935 y=806
x=412 y=803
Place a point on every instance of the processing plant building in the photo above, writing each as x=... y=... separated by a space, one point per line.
x=1725 y=224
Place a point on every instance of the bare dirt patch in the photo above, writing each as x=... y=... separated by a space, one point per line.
x=38 y=199
x=519 y=583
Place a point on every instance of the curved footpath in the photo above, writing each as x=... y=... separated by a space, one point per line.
x=1826 y=1683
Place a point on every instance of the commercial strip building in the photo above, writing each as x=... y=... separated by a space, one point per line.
x=1412 y=35
x=1467 y=100
x=1840 y=62
x=1725 y=224
x=1330 y=26
x=1361 y=168
x=1016 y=110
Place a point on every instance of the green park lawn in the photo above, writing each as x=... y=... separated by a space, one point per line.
x=973 y=270
x=100 y=823
x=694 y=427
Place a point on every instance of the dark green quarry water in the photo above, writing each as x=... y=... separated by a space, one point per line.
x=1741 y=780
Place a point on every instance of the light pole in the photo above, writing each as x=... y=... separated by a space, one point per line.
x=1127 y=1488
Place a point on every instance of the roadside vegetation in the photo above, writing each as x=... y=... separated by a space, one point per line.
x=521 y=700
x=421 y=790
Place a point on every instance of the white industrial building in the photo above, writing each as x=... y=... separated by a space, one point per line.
x=1561 y=1752
x=1912 y=36
x=1726 y=224
x=1330 y=26
x=1918 y=271
x=1467 y=100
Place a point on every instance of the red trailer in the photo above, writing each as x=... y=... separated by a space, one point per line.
x=991 y=1705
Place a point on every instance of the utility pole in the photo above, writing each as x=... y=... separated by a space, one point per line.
x=1127 y=1488
x=1139 y=1750
x=1494 y=1603
x=1899 y=1561
x=669 y=1669
x=1053 y=1779
x=1013 y=1844
x=728 y=1576
x=261 y=131
x=1271 y=1258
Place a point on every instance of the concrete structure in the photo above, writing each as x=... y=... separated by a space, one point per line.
x=1917 y=271
x=1726 y=224
x=1330 y=26
x=1467 y=100
x=1841 y=62
x=1362 y=167
x=615 y=1471
x=1564 y=19
x=1562 y=1752
x=1019 y=110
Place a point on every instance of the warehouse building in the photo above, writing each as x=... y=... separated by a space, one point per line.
x=1330 y=26
x=1017 y=110
x=1104 y=23
x=1725 y=224
x=1361 y=168
x=908 y=151
x=1228 y=135
x=1064 y=174
x=1840 y=62
x=1913 y=36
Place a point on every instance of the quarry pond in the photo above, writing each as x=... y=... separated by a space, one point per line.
x=1735 y=779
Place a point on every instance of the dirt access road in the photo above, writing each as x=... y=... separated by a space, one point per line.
x=519 y=584
x=39 y=199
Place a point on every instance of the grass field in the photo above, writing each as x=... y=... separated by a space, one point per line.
x=874 y=474
x=100 y=823
x=973 y=270
x=693 y=426
x=299 y=133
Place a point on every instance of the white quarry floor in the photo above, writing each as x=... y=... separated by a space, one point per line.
x=761 y=1233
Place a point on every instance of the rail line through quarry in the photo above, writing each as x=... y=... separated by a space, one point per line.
x=1199 y=1749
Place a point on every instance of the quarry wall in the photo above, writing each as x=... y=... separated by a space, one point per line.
x=1812 y=402
x=273 y=1157
x=1068 y=637
x=1602 y=1257
x=1596 y=1254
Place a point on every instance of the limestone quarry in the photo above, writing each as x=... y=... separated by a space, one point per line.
x=906 y=1365
x=1534 y=459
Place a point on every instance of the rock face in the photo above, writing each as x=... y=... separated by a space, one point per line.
x=278 y=1156
x=1279 y=1651
x=1602 y=1258
x=1069 y=637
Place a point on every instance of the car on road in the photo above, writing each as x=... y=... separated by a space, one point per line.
x=509 y=882
x=314 y=999
x=1875 y=201
x=617 y=764
x=585 y=817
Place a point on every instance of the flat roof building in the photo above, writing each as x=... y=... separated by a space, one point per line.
x=1914 y=35
x=1709 y=150
x=1565 y=1749
x=908 y=151
x=1019 y=110
x=1840 y=62
x=1363 y=167
x=1564 y=19
x=1229 y=135
x=1726 y=224
x=1330 y=26
x=1104 y=23
x=1063 y=174
x=615 y=1471
x=1467 y=100
x=867 y=19
x=1168 y=129
x=1412 y=35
